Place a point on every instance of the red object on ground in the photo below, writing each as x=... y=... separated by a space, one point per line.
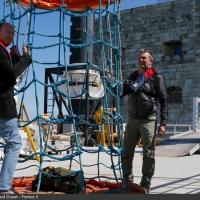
x=23 y=185
x=93 y=186
x=23 y=182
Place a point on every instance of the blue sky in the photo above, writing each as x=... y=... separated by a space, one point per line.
x=47 y=24
x=136 y=3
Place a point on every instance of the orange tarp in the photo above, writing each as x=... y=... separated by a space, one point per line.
x=23 y=181
x=75 y=5
x=93 y=186
x=24 y=185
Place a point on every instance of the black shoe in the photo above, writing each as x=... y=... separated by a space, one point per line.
x=146 y=190
x=127 y=184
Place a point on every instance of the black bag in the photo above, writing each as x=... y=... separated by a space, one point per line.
x=60 y=180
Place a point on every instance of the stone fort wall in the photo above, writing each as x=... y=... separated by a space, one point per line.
x=172 y=32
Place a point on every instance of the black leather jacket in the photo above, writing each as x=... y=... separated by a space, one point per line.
x=8 y=74
x=143 y=103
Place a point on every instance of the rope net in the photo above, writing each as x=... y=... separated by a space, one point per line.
x=83 y=99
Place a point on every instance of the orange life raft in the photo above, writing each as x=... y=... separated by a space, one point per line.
x=74 y=5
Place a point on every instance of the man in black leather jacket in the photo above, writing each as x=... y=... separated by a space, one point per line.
x=145 y=87
x=9 y=71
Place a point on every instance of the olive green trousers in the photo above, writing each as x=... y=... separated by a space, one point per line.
x=136 y=129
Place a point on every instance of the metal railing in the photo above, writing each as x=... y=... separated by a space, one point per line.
x=196 y=114
x=174 y=129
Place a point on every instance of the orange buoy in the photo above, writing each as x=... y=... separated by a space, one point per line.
x=73 y=5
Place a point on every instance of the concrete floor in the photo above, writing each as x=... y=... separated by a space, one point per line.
x=173 y=175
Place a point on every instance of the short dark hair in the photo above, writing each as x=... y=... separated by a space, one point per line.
x=145 y=50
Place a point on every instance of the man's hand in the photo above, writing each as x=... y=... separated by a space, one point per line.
x=161 y=130
x=25 y=50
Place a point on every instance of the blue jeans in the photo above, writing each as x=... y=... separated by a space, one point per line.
x=10 y=134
